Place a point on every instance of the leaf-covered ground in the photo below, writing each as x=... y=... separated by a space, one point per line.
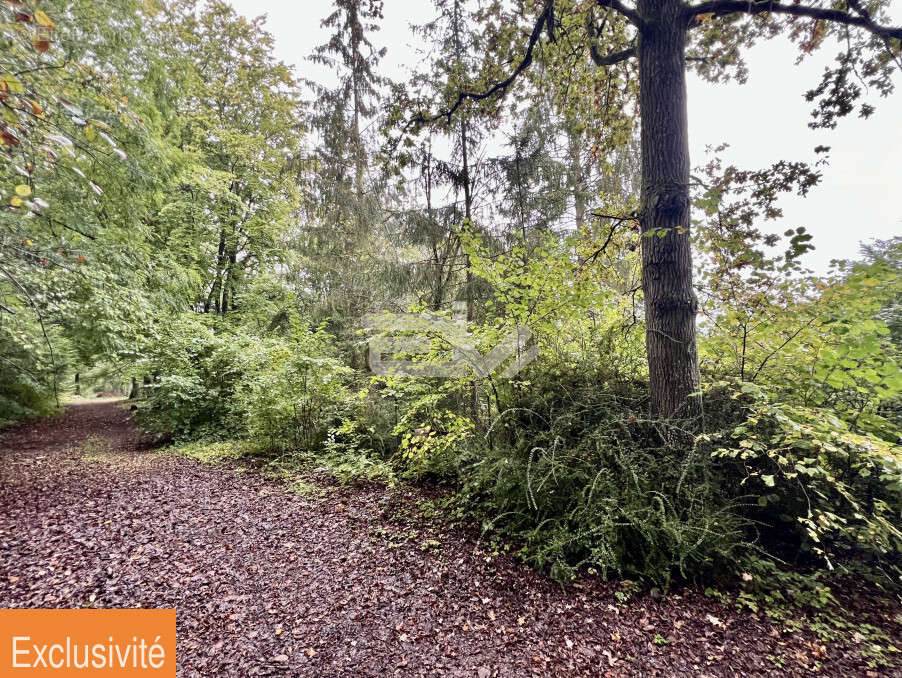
x=338 y=583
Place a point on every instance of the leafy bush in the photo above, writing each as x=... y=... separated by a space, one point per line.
x=294 y=391
x=817 y=483
x=193 y=371
x=214 y=381
x=24 y=396
x=29 y=375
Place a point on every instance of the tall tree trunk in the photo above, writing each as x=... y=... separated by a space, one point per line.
x=356 y=39
x=670 y=301
x=77 y=384
x=468 y=206
x=575 y=178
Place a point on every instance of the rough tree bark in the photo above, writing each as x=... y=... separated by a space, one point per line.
x=670 y=301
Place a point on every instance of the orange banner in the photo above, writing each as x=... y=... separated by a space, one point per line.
x=121 y=643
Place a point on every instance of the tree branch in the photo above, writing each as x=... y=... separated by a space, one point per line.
x=623 y=10
x=40 y=317
x=500 y=87
x=862 y=19
x=610 y=59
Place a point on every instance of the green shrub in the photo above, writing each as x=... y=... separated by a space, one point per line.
x=193 y=370
x=23 y=396
x=294 y=392
x=591 y=484
x=30 y=376
x=211 y=380
x=819 y=486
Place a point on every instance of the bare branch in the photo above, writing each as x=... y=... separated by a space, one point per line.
x=780 y=348
x=860 y=19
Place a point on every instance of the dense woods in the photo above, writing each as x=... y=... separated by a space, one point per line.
x=187 y=221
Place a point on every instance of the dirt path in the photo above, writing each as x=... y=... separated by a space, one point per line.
x=348 y=584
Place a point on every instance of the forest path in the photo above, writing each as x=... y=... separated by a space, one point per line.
x=344 y=583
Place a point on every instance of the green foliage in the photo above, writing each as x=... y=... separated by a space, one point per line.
x=293 y=391
x=194 y=371
x=594 y=485
x=430 y=431
x=163 y=218
x=210 y=379
x=29 y=371
x=215 y=452
x=813 y=477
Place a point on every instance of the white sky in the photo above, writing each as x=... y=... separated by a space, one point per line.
x=764 y=121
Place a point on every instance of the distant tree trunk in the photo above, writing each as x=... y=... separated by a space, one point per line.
x=215 y=291
x=576 y=180
x=135 y=390
x=670 y=301
x=77 y=384
x=228 y=284
x=438 y=261
x=356 y=40
x=521 y=204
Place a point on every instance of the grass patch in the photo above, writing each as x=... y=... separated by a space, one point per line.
x=212 y=452
x=294 y=469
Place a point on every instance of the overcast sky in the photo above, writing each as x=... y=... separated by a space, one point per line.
x=764 y=121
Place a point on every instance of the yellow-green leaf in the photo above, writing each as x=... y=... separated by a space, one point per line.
x=41 y=17
x=13 y=84
x=23 y=190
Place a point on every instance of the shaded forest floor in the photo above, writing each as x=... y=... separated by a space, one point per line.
x=343 y=582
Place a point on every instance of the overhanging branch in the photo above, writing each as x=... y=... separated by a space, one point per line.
x=500 y=87
x=623 y=10
x=861 y=19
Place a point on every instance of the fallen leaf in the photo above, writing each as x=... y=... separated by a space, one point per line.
x=713 y=620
